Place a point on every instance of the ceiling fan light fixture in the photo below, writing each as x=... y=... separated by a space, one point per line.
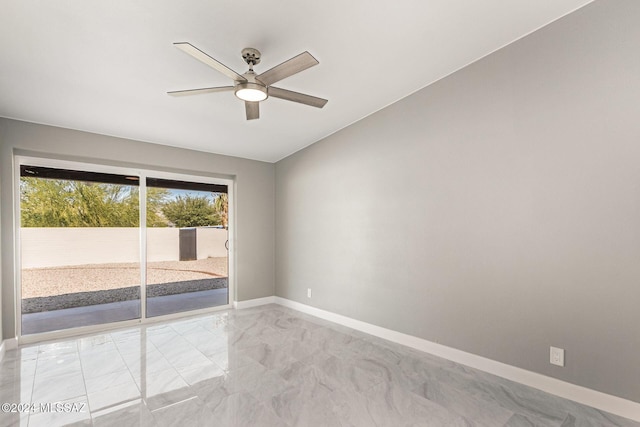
x=251 y=92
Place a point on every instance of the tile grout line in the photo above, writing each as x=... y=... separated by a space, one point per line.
x=84 y=381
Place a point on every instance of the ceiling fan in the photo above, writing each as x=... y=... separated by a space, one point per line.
x=251 y=87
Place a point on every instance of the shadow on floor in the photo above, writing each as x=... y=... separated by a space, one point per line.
x=47 y=321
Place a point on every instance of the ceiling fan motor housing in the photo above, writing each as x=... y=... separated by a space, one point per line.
x=251 y=90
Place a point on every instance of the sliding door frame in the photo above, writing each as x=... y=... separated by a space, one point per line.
x=142 y=174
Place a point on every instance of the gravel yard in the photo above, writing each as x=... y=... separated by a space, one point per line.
x=52 y=281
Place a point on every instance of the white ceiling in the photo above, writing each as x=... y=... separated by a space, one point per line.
x=105 y=66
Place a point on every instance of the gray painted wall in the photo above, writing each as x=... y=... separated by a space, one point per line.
x=1 y=277
x=254 y=195
x=496 y=211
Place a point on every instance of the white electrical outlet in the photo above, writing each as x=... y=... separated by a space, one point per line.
x=309 y=293
x=556 y=356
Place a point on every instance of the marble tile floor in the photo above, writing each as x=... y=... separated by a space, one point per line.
x=264 y=366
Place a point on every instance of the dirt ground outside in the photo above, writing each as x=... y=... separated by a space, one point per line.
x=52 y=281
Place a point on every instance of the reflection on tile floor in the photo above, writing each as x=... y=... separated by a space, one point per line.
x=265 y=366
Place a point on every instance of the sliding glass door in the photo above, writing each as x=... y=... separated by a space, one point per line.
x=98 y=248
x=187 y=240
x=79 y=239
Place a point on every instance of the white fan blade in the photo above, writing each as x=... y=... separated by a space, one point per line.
x=301 y=98
x=200 y=91
x=252 y=109
x=288 y=68
x=206 y=59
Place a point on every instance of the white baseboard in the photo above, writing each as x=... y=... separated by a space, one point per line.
x=605 y=402
x=253 y=302
x=8 y=344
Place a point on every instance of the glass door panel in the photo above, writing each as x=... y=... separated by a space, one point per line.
x=80 y=246
x=187 y=259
